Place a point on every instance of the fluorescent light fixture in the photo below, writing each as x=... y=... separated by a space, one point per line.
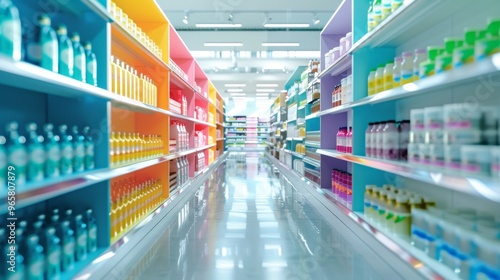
x=316 y=20
x=286 y=25
x=232 y=44
x=269 y=44
x=262 y=94
x=265 y=90
x=185 y=20
x=235 y=85
x=266 y=85
x=234 y=90
x=238 y=94
x=218 y=25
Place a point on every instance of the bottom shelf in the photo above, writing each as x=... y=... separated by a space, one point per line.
x=91 y=257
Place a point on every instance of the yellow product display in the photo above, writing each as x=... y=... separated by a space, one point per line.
x=129 y=147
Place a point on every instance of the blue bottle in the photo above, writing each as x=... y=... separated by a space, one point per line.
x=36 y=154
x=89 y=149
x=92 y=231
x=91 y=64
x=68 y=245
x=11 y=259
x=79 y=148
x=10 y=30
x=42 y=49
x=66 y=55
x=80 y=70
x=52 y=244
x=35 y=260
x=67 y=152
x=81 y=238
x=17 y=153
x=3 y=165
x=53 y=152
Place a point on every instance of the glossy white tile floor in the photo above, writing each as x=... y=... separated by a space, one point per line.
x=247 y=223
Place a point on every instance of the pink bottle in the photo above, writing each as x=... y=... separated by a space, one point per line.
x=373 y=139
x=339 y=139
x=404 y=139
x=349 y=141
x=379 y=140
x=368 y=140
x=390 y=141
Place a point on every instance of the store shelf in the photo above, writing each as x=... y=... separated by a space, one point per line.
x=483 y=187
x=311 y=161
x=221 y=139
x=181 y=83
x=299 y=155
x=219 y=124
x=93 y=5
x=400 y=26
x=312 y=116
x=295 y=138
x=343 y=64
x=313 y=144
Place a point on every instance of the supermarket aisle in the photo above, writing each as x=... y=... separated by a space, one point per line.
x=248 y=223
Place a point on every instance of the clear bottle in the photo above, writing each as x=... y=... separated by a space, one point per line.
x=81 y=238
x=379 y=148
x=402 y=215
x=53 y=152
x=36 y=154
x=371 y=20
x=377 y=12
x=67 y=151
x=404 y=139
x=390 y=141
x=382 y=206
x=80 y=69
x=53 y=253
x=373 y=139
x=389 y=211
x=10 y=30
x=386 y=9
x=396 y=73
x=92 y=231
x=371 y=82
x=41 y=47
x=420 y=56
x=68 y=245
x=17 y=153
x=89 y=149
x=66 y=56
x=368 y=140
x=35 y=260
x=79 y=148
x=3 y=164
x=396 y=4
x=407 y=68
x=367 y=201
x=379 y=79
x=91 y=64
x=388 y=75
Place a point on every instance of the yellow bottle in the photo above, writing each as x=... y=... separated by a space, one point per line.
x=136 y=85
x=124 y=148
x=123 y=80
x=112 y=147
x=118 y=76
x=120 y=225
x=371 y=82
x=133 y=152
x=118 y=149
x=113 y=75
x=131 y=83
x=379 y=79
x=388 y=77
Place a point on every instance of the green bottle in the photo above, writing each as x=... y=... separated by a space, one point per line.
x=10 y=30
x=3 y=164
x=66 y=56
x=53 y=151
x=17 y=154
x=36 y=154
x=89 y=149
x=79 y=148
x=79 y=71
x=81 y=238
x=67 y=152
x=91 y=64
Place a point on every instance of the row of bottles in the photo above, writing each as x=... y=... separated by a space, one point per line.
x=179 y=169
x=51 y=245
x=127 y=82
x=131 y=200
x=129 y=147
x=344 y=140
x=42 y=46
x=36 y=157
x=200 y=161
x=179 y=137
x=126 y=22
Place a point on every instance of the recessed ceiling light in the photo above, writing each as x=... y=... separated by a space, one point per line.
x=286 y=25
x=234 y=90
x=238 y=94
x=235 y=85
x=266 y=85
x=218 y=25
x=221 y=44
x=265 y=90
x=280 y=44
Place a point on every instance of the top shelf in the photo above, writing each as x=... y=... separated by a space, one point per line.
x=400 y=26
x=340 y=22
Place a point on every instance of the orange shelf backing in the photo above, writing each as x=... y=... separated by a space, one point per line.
x=143 y=10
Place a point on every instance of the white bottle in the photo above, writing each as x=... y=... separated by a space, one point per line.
x=180 y=138
x=174 y=137
x=368 y=140
x=379 y=140
x=390 y=141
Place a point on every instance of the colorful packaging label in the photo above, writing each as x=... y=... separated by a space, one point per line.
x=67 y=158
x=463 y=56
x=35 y=270
x=406 y=76
x=388 y=82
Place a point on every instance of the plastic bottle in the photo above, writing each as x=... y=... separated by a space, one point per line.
x=373 y=139
x=66 y=55
x=80 y=69
x=91 y=64
x=339 y=139
x=367 y=201
x=43 y=49
x=17 y=153
x=81 y=238
x=377 y=12
x=371 y=20
x=10 y=30
x=404 y=139
x=3 y=164
x=368 y=140
x=379 y=140
x=371 y=82
x=388 y=75
x=53 y=152
x=379 y=79
x=390 y=141
x=92 y=231
x=386 y=9
x=349 y=141
x=407 y=68
x=396 y=72
x=428 y=67
x=420 y=56
x=68 y=245
x=53 y=253
x=402 y=215
x=36 y=154
x=89 y=161
x=67 y=151
x=389 y=212
x=79 y=150
x=35 y=261
x=396 y=4
x=382 y=206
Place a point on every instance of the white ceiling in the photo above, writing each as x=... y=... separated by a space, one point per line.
x=235 y=66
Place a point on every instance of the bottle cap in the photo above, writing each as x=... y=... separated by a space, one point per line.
x=75 y=37
x=398 y=59
x=62 y=30
x=87 y=46
x=407 y=54
x=389 y=62
x=494 y=27
x=44 y=20
x=420 y=51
